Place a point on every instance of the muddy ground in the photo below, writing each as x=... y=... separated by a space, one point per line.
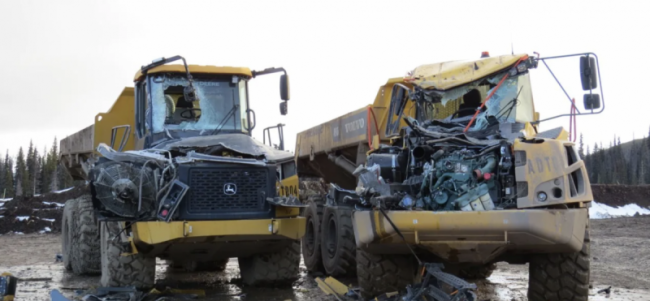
x=620 y=258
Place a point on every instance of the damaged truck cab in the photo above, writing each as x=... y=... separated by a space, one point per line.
x=449 y=165
x=174 y=173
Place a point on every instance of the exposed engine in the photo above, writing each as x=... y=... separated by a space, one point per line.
x=444 y=174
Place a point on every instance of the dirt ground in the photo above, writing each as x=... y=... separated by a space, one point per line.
x=620 y=248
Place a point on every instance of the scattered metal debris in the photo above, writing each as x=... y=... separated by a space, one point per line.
x=130 y=293
x=55 y=295
x=435 y=284
x=605 y=291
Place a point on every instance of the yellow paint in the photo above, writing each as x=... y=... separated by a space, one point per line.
x=447 y=75
x=159 y=232
x=547 y=162
x=288 y=186
x=525 y=228
x=121 y=113
x=196 y=69
x=331 y=286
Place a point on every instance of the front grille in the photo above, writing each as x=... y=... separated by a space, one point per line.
x=207 y=193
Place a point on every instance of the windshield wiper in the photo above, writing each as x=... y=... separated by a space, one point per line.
x=225 y=119
x=512 y=106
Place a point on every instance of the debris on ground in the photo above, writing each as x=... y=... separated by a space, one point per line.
x=130 y=293
x=434 y=284
x=605 y=291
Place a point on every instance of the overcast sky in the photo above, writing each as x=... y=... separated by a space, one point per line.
x=65 y=61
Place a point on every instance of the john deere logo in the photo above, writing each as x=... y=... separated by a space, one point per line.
x=230 y=188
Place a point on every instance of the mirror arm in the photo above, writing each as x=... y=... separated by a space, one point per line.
x=560 y=84
x=602 y=97
x=269 y=71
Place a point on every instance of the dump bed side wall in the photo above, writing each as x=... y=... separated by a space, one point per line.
x=80 y=148
x=77 y=148
x=346 y=135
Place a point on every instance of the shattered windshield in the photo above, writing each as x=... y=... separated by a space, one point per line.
x=511 y=103
x=220 y=102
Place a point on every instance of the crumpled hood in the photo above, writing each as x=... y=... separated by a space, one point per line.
x=239 y=143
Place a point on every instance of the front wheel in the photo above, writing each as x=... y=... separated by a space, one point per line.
x=378 y=273
x=128 y=270
x=278 y=268
x=560 y=276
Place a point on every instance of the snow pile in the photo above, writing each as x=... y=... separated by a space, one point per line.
x=63 y=190
x=22 y=218
x=599 y=211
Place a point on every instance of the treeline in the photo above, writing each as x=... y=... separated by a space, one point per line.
x=626 y=163
x=32 y=173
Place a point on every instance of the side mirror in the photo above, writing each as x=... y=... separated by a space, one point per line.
x=592 y=101
x=588 y=73
x=283 y=108
x=284 y=87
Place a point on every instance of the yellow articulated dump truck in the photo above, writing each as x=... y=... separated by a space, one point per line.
x=174 y=174
x=450 y=165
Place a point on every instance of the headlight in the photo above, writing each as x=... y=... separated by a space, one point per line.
x=541 y=196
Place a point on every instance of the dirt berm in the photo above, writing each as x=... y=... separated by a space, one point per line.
x=38 y=213
x=620 y=195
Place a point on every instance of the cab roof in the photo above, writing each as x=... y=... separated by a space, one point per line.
x=197 y=69
x=447 y=75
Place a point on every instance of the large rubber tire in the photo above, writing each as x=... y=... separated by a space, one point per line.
x=117 y=270
x=378 y=274
x=67 y=225
x=279 y=268
x=560 y=276
x=338 y=245
x=311 y=241
x=86 y=252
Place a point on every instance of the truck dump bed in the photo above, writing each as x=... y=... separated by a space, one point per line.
x=77 y=149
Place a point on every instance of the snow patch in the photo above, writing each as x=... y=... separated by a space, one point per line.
x=51 y=220
x=52 y=203
x=47 y=229
x=600 y=211
x=22 y=218
x=6 y=200
x=63 y=190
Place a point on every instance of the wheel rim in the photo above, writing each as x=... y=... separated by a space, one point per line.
x=332 y=242
x=310 y=236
